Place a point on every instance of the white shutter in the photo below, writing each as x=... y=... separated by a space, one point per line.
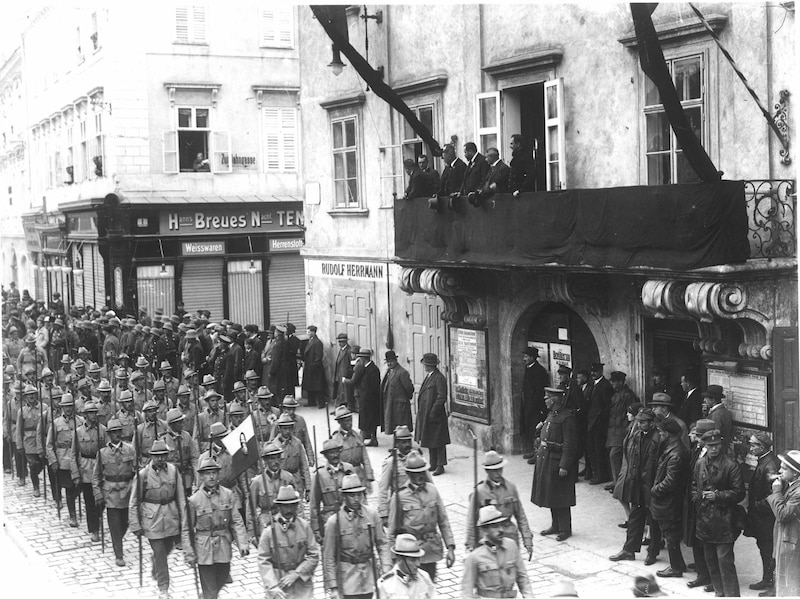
x=221 y=148
x=280 y=138
x=554 y=126
x=268 y=26
x=487 y=121
x=285 y=26
x=272 y=138
x=199 y=24
x=277 y=26
x=182 y=24
x=170 y=149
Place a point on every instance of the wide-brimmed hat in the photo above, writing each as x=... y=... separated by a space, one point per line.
x=661 y=399
x=113 y=425
x=791 y=459
x=211 y=394
x=217 y=429
x=90 y=406
x=342 y=412
x=287 y=494
x=494 y=461
x=126 y=395
x=402 y=432
x=141 y=362
x=332 y=444
x=208 y=379
x=239 y=386
x=65 y=359
x=390 y=356
x=29 y=390
x=415 y=462
x=264 y=392
x=251 y=374
x=351 y=484
x=159 y=385
x=285 y=420
x=208 y=463
x=67 y=400
x=46 y=372
x=365 y=352
x=175 y=415
x=121 y=373
x=646 y=586
x=289 y=401
x=407 y=545
x=713 y=391
x=236 y=408
x=489 y=514
x=430 y=359
x=150 y=404
x=271 y=449
x=165 y=366
x=184 y=390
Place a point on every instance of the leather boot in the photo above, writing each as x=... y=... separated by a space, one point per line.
x=767 y=581
x=676 y=561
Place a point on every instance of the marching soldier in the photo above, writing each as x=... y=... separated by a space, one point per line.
x=89 y=437
x=220 y=454
x=212 y=520
x=239 y=397
x=187 y=408
x=289 y=406
x=182 y=450
x=59 y=445
x=156 y=511
x=423 y=515
x=501 y=493
x=295 y=461
x=170 y=382
x=28 y=438
x=288 y=553
x=495 y=566
x=11 y=414
x=406 y=580
x=152 y=429
x=353 y=450
x=353 y=536
x=206 y=418
x=160 y=397
x=128 y=417
x=65 y=370
x=264 y=489
x=264 y=415
x=141 y=394
x=325 y=488
x=111 y=484
x=105 y=409
x=252 y=380
x=393 y=472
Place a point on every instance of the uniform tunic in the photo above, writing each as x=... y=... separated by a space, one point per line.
x=349 y=549
x=58 y=449
x=113 y=473
x=301 y=432
x=288 y=547
x=83 y=455
x=353 y=452
x=325 y=490
x=386 y=483
x=217 y=523
x=295 y=462
x=396 y=585
x=505 y=497
x=424 y=516
x=263 y=490
x=130 y=421
x=205 y=419
x=558 y=449
x=495 y=571
x=147 y=433
x=27 y=426
x=263 y=421
x=183 y=453
x=162 y=503
x=786 y=507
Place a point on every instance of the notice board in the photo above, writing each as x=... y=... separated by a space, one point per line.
x=745 y=396
x=469 y=374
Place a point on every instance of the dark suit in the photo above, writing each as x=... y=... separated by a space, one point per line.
x=343 y=368
x=522 y=176
x=314 y=372
x=419 y=185
x=533 y=410
x=370 y=412
x=692 y=408
x=760 y=519
x=432 y=430
x=476 y=172
x=452 y=177
x=433 y=175
x=723 y=419
x=597 y=428
x=497 y=174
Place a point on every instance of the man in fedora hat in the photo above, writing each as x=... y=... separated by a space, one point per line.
x=288 y=553
x=785 y=503
x=698 y=450
x=396 y=393
x=89 y=437
x=432 y=429
x=501 y=493
x=367 y=383
x=557 y=465
x=423 y=515
x=149 y=431
x=406 y=580
x=532 y=408
x=289 y=406
x=295 y=460
x=717 y=488
x=213 y=521
x=353 y=537
x=760 y=519
x=664 y=408
x=393 y=470
x=314 y=382
x=264 y=489
x=353 y=451
x=482 y=576
x=722 y=417
x=342 y=369
x=111 y=484
x=207 y=417
x=621 y=399
x=183 y=452
x=326 y=497
x=58 y=447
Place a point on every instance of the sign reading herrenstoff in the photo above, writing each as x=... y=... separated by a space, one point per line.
x=238 y=218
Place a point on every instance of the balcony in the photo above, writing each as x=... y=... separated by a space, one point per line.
x=671 y=227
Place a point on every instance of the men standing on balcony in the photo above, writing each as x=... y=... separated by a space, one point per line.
x=496 y=178
x=432 y=430
x=419 y=184
x=522 y=173
x=477 y=169
x=533 y=410
x=453 y=174
x=428 y=171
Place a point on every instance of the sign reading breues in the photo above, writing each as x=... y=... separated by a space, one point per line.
x=237 y=218
x=203 y=248
x=363 y=271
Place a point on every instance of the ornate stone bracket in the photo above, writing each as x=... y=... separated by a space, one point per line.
x=588 y=291
x=461 y=306
x=781 y=120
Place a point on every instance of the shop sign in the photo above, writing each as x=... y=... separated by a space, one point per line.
x=469 y=374
x=361 y=271
x=31 y=237
x=284 y=216
x=285 y=245
x=203 y=248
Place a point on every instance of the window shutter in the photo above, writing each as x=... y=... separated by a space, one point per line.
x=487 y=121
x=182 y=24
x=285 y=30
x=277 y=27
x=272 y=138
x=268 y=27
x=221 y=146
x=199 y=24
x=289 y=131
x=170 y=149
x=280 y=139
x=554 y=125
x=785 y=412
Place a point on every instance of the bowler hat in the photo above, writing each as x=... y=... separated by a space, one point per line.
x=597 y=366
x=406 y=545
x=430 y=359
x=531 y=351
x=390 y=356
x=489 y=514
x=713 y=391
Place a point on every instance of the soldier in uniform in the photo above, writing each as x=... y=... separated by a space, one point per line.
x=495 y=566
x=717 y=487
x=393 y=472
x=264 y=415
x=760 y=519
x=423 y=515
x=353 y=451
x=122 y=378
x=152 y=429
x=239 y=397
x=105 y=409
x=207 y=417
x=128 y=417
x=288 y=553
x=156 y=511
x=501 y=493
x=141 y=395
x=65 y=370
x=264 y=489
x=326 y=485
x=187 y=408
x=11 y=415
x=406 y=580
x=289 y=406
x=170 y=382
x=160 y=397
x=219 y=452
x=182 y=450
x=252 y=380
x=785 y=503
x=111 y=484
x=212 y=520
x=28 y=437
x=58 y=450
x=353 y=537
x=88 y=439
x=557 y=465
x=295 y=461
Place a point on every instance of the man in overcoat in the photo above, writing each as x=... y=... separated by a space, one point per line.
x=721 y=415
x=342 y=368
x=532 y=408
x=599 y=401
x=396 y=393
x=698 y=450
x=432 y=430
x=785 y=504
x=368 y=385
x=622 y=398
x=557 y=465
x=314 y=370
x=760 y=519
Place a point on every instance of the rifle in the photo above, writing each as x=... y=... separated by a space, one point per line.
x=398 y=512
x=138 y=496
x=190 y=530
x=475 y=506
x=372 y=549
x=45 y=471
x=102 y=509
x=57 y=488
x=77 y=462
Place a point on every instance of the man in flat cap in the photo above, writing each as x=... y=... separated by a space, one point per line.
x=532 y=407
x=760 y=519
x=397 y=390
x=698 y=450
x=785 y=503
x=432 y=430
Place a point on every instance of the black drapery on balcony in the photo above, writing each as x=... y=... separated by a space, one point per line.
x=671 y=226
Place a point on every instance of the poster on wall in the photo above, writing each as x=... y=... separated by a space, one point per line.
x=560 y=353
x=469 y=374
x=745 y=396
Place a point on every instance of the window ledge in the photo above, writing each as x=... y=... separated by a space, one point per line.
x=534 y=61
x=336 y=212
x=434 y=83
x=348 y=102
x=180 y=43
x=678 y=31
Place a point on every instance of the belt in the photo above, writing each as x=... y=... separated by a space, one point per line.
x=89 y=456
x=349 y=559
x=30 y=428
x=214 y=532
x=118 y=479
x=159 y=501
x=63 y=445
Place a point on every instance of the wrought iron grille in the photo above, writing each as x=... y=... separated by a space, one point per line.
x=771 y=207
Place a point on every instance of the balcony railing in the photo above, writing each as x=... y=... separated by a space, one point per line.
x=771 y=209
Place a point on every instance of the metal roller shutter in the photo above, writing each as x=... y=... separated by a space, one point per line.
x=246 y=293
x=99 y=278
x=287 y=290
x=153 y=290
x=202 y=286
x=88 y=274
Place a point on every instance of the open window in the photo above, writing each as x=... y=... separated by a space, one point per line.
x=487 y=125
x=194 y=147
x=554 y=125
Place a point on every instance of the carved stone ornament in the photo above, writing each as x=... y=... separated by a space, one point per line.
x=461 y=306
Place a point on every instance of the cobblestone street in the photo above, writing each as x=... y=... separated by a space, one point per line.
x=71 y=562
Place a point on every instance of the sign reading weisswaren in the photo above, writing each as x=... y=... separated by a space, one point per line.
x=283 y=216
